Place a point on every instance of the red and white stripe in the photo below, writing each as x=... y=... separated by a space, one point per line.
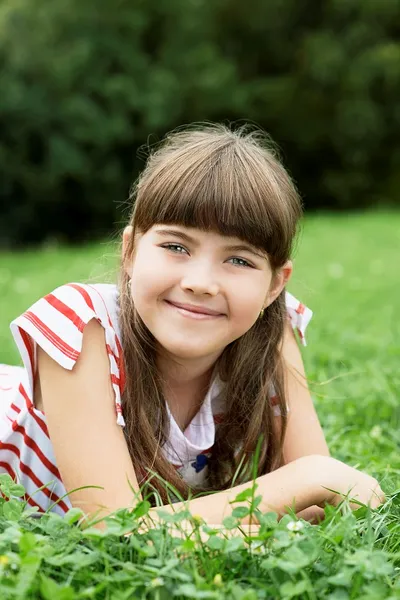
x=56 y=323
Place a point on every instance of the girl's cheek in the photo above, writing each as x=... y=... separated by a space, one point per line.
x=149 y=285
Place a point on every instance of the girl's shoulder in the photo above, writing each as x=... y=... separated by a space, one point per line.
x=56 y=323
x=299 y=315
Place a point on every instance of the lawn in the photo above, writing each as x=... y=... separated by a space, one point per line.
x=346 y=271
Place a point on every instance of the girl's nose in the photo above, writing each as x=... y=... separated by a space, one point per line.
x=199 y=279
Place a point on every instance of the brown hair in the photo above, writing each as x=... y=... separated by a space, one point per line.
x=230 y=182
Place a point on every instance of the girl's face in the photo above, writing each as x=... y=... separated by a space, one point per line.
x=199 y=291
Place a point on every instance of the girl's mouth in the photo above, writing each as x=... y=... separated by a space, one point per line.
x=191 y=314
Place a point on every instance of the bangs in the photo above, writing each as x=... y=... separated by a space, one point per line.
x=220 y=183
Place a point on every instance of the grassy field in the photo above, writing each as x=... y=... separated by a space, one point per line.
x=346 y=270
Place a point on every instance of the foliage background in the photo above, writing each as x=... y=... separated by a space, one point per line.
x=84 y=85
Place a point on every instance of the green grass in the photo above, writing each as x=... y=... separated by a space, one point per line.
x=346 y=271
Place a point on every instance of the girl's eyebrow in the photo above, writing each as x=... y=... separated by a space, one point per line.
x=191 y=240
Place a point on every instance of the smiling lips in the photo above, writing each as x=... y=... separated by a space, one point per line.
x=199 y=312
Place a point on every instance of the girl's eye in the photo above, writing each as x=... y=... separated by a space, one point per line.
x=173 y=248
x=178 y=249
x=242 y=260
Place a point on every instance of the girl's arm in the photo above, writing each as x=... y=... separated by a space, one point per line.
x=90 y=447
x=303 y=483
x=304 y=435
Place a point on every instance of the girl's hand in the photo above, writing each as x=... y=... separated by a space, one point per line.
x=312 y=514
x=340 y=480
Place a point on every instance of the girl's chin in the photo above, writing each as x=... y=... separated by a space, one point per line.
x=189 y=352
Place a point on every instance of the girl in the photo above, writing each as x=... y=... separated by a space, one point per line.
x=189 y=361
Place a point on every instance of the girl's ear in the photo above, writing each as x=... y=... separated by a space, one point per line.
x=279 y=281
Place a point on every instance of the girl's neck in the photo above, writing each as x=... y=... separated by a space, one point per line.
x=184 y=375
x=185 y=381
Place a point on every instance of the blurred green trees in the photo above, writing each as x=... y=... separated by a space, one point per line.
x=85 y=84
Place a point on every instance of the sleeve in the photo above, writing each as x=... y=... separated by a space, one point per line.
x=56 y=323
x=299 y=316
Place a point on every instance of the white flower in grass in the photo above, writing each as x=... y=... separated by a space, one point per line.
x=295 y=526
x=258 y=547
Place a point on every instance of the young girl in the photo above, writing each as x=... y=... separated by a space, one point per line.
x=184 y=366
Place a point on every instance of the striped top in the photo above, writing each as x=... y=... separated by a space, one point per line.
x=56 y=323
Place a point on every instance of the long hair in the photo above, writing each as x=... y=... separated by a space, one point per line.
x=230 y=182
